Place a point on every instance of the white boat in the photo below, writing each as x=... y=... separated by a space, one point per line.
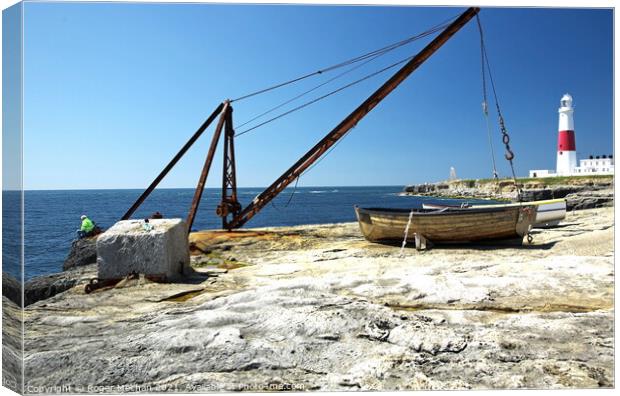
x=549 y=213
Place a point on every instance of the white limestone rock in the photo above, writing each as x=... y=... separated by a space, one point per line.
x=128 y=247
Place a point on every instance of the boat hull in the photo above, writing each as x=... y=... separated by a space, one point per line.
x=447 y=225
x=549 y=213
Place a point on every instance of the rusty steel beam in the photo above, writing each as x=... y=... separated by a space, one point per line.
x=205 y=169
x=173 y=162
x=229 y=204
x=350 y=121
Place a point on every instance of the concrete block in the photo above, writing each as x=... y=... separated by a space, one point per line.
x=127 y=247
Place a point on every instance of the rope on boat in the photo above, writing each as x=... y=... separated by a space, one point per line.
x=402 y=248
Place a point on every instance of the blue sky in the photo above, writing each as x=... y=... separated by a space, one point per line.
x=112 y=91
x=11 y=94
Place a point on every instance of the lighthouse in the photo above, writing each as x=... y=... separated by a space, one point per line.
x=567 y=156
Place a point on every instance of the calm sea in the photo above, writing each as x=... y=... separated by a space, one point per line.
x=52 y=217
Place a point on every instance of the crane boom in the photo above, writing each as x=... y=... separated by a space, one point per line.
x=349 y=122
x=173 y=162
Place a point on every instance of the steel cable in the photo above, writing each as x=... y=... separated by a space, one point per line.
x=326 y=95
x=485 y=108
x=505 y=137
x=307 y=92
x=349 y=61
x=376 y=55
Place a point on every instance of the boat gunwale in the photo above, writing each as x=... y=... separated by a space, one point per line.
x=434 y=212
x=470 y=205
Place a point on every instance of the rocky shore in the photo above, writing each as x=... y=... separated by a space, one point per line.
x=579 y=192
x=320 y=308
x=79 y=267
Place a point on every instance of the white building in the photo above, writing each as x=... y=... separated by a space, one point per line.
x=598 y=165
x=566 y=159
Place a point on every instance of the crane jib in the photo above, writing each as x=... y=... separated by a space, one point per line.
x=229 y=206
x=350 y=121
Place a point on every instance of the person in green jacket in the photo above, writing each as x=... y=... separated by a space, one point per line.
x=87 y=227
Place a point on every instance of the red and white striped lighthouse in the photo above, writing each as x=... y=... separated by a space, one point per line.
x=567 y=155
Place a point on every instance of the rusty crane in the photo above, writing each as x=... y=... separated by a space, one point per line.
x=229 y=209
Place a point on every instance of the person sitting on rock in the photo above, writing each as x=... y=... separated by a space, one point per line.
x=157 y=215
x=87 y=229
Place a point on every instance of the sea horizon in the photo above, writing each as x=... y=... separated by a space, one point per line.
x=55 y=214
x=208 y=188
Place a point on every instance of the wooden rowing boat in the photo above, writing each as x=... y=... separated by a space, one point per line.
x=448 y=225
x=549 y=212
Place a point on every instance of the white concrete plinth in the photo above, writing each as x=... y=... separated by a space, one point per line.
x=127 y=247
